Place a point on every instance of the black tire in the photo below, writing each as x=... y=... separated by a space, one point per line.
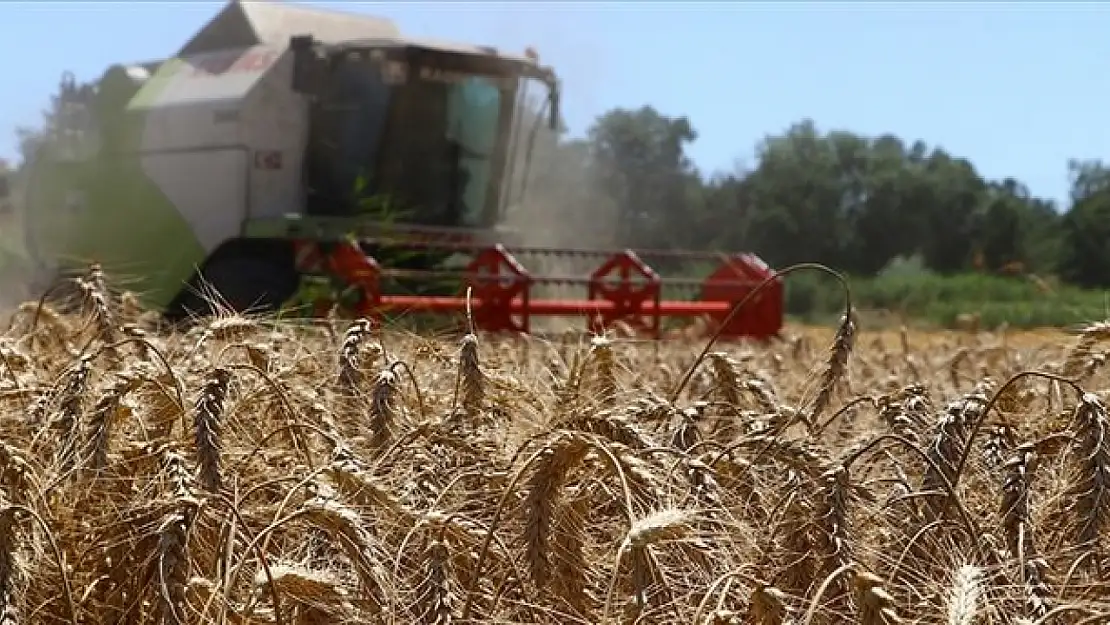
x=247 y=284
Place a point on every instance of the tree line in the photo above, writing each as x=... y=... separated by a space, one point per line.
x=853 y=202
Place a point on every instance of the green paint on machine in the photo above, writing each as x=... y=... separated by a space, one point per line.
x=106 y=209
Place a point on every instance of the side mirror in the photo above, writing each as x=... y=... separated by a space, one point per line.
x=309 y=66
x=555 y=96
x=5 y=193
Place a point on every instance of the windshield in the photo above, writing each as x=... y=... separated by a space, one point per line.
x=424 y=146
x=473 y=111
x=530 y=135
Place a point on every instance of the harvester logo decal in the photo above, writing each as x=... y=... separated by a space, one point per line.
x=255 y=60
x=267 y=160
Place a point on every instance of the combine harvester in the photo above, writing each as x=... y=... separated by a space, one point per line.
x=246 y=163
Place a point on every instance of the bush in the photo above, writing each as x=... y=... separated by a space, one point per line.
x=936 y=299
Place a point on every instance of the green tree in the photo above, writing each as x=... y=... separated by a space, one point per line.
x=857 y=203
x=799 y=198
x=640 y=158
x=1085 y=258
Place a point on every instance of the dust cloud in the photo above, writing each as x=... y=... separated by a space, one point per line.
x=554 y=195
x=21 y=279
x=561 y=204
x=555 y=201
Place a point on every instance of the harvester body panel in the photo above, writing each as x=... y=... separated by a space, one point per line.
x=223 y=137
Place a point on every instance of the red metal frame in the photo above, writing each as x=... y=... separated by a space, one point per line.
x=346 y=261
x=732 y=281
x=624 y=288
x=635 y=302
x=503 y=287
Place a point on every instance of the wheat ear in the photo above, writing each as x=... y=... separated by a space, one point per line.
x=876 y=604
x=350 y=353
x=104 y=417
x=207 y=413
x=836 y=366
x=1078 y=355
x=1089 y=487
x=436 y=600
x=71 y=402
x=470 y=372
x=964 y=595
x=554 y=462
x=601 y=354
x=667 y=524
x=383 y=407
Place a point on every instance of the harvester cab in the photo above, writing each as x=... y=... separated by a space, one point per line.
x=426 y=128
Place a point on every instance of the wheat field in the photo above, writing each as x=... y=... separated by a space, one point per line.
x=338 y=472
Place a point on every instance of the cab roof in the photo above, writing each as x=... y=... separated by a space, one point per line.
x=246 y=24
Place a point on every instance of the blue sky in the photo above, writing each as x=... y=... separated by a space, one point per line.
x=1017 y=87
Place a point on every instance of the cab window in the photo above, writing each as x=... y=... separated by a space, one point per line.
x=473 y=111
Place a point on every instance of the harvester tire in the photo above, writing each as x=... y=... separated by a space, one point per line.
x=241 y=283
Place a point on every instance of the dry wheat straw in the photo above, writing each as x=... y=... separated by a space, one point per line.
x=9 y=569
x=639 y=503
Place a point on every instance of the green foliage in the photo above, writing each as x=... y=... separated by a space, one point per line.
x=937 y=299
x=903 y=267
